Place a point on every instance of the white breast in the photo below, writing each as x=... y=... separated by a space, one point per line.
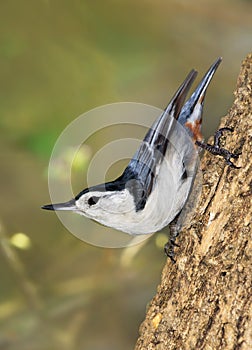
x=164 y=203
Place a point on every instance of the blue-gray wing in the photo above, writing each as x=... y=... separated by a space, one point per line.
x=144 y=165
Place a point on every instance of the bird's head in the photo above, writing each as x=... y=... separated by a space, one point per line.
x=106 y=207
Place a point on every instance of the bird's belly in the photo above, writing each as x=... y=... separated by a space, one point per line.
x=164 y=203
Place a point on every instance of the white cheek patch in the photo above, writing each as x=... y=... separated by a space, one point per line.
x=120 y=202
x=108 y=206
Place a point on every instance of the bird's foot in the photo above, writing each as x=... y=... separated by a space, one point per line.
x=169 y=249
x=216 y=148
x=171 y=244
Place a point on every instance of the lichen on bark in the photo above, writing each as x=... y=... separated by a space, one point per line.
x=204 y=301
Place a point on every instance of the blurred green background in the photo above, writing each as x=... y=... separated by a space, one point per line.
x=60 y=59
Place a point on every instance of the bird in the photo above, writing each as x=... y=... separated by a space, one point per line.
x=155 y=185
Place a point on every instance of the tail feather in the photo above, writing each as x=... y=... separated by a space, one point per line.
x=191 y=113
x=163 y=124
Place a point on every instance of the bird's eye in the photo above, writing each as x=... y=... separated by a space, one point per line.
x=93 y=200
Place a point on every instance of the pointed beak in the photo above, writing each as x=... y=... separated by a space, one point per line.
x=70 y=205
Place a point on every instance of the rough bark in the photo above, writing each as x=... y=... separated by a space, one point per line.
x=204 y=301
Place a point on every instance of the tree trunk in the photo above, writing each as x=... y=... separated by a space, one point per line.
x=204 y=300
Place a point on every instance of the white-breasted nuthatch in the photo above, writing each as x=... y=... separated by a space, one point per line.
x=155 y=185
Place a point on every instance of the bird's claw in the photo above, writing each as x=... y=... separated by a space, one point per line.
x=216 y=149
x=169 y=250
x=169 y=246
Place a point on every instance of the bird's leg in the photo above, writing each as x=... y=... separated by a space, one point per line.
x=216 y=149
x=169 y=246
